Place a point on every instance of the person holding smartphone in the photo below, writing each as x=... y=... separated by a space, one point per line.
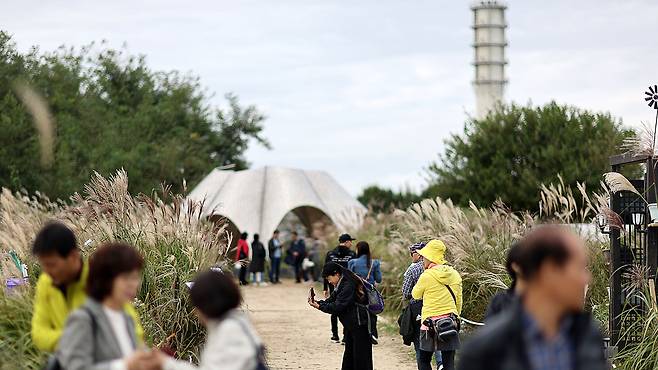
x=347 y=302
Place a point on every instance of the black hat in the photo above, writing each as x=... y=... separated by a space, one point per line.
x=344 y=238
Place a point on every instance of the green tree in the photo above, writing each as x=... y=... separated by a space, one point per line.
x=112 y=111
x=508 y=154
x=383 y=200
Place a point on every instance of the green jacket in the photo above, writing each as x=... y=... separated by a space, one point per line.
x=52 y=308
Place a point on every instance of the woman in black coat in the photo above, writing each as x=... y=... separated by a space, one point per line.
x=348 y=302
x=503 y=300
x=257 y=265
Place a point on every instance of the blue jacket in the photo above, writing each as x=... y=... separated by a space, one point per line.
x=359 y=266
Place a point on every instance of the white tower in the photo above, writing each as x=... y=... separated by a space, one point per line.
x=490 y=43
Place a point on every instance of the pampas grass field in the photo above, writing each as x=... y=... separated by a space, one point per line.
x=177 y=242
x=478 y=240
x=166 y=228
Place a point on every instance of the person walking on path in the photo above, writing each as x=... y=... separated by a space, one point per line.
x=341 y=255
x=503 y=300
x=242 y=257
x=61 y=286
x=411 y=277
x=347 y=302
x=258 y=257
x=231 y=340
x=370 y=270
x=101 y=334
x=274 y=248
x=440 y=288
x=547 y=327
x=295 y=256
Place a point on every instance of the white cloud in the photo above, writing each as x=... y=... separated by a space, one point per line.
x=366 y=90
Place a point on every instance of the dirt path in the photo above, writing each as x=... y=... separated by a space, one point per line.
x=297 y=336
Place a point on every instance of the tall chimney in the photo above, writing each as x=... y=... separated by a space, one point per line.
x=489 y=45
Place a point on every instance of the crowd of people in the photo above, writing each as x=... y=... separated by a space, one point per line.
x=83 y=311
x=252 y=261
x=538 y=323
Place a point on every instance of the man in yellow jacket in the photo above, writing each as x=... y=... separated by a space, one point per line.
x=61 y=287
x=440 y=288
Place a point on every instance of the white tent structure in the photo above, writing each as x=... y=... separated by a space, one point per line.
x=256 y=200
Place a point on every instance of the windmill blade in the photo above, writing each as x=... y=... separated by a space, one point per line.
x=651 y=89
x=647 y=99
x=648 y=93
x=655 y=88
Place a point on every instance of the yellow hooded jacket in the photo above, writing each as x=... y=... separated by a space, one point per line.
x=431 y=288
x=51 y=309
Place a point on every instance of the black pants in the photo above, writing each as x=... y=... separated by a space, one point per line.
x=243 y=274
x=334 y=319
x=300 y=272
x=373 y=325
x=358 y=349
x=334 y=326
x=447 y=357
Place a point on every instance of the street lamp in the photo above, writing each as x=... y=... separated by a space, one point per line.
x=638 y=218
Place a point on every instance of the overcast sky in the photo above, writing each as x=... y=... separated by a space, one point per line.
x=366 y=90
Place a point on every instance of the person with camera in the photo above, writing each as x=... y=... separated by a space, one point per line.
x=440 y=288
x=340 y=255
x=348 y=301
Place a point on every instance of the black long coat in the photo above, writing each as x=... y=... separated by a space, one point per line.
x=258 y=255
x=344 y=303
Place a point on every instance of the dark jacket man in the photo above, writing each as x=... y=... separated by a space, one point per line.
x=500 y=344
x=341 y=255
x=298 y=246
x=547 y=327
x=271 y=247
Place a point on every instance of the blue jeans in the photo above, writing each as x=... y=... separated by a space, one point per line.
x=275 y=269
x=437 y=355
x=257 y=277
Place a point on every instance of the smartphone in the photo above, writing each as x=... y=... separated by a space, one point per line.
x=312 y=294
